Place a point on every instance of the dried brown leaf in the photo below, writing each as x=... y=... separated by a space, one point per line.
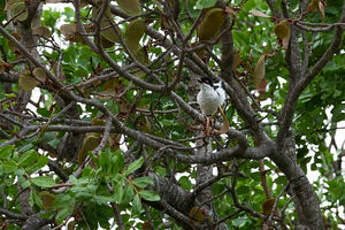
x=259 y=72
x=41 y=31
x=198 y=213
x=259 y=14
x=282 y=30
x=267 y=206
x=322 y=5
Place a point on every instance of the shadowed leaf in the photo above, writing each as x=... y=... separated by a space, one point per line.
x=19 y=10
x=134 y=31
x=198 y=213
x=108 y=31
x=90 y=142
x=39 y=74
x=26 y=81
x=267 y=206
x=131 y=7
x=47 y=199
x=211 y=24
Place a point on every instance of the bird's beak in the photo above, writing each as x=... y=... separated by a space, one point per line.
x=200 y=81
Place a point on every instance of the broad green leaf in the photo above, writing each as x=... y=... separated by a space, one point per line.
x=149 y=195
x=36 y=198
x=136 y=203
x=128 y=194
x=6 y=151
x=118 y=193
x=185 y=183
x=39 y=163
x=103 y=199
x=43 y=181
x=142 y=182
x=9 y=166
x=64 y=212
x=117 y=161
x=134 y=166
x=28 y=158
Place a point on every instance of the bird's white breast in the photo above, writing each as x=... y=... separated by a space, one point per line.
x=208 y=99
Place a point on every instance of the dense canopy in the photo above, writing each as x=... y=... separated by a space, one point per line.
x=100 y=128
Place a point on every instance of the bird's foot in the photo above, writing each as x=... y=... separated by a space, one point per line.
x=207 y=126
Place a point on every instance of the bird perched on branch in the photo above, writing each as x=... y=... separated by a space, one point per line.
x=210 y=99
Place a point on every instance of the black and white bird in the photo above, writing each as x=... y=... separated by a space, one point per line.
x=211 y=98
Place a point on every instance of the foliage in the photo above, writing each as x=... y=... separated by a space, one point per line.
x=98 y=127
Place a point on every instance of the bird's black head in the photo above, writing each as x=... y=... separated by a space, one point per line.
x=206 y=80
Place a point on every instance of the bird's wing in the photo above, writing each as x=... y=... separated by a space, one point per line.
x=221 y=95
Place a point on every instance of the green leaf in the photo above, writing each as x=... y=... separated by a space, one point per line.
x=44 y=112
x=36 y=198
x=28 y=158
x=5 y=152
x=118 y=193
x=142 y=182
x=128 y=195
x=43 y=181
x=134 y=166
x=149 y=195
x=103 y=199
x=10 y=166
x=118 y=162
x=185 y=183
x=201 y=4
x=137 y=203
x=240 y=222
x=64 y=212
x=39 y=163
